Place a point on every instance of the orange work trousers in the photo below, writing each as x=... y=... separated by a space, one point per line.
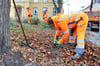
x=79 y=34
x=30 y=19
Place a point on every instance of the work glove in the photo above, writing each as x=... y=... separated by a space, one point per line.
x=55 y=40
x=59 y=43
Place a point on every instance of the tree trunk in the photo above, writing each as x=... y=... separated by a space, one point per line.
x=5 y=44
x=99 y=30
x=59 y=5
x=6 y=59
x=99 y=26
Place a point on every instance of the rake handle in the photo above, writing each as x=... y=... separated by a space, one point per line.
x=20 y=21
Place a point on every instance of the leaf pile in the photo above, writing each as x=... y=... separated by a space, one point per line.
x=46 y=54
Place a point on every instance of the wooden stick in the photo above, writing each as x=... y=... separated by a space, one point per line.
x=20 y=21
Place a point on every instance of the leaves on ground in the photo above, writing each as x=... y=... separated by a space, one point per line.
x=45 y=53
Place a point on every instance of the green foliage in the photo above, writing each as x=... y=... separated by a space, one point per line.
x=36 y=21
x=52 y=27
x=45 y=25
x=15 y=26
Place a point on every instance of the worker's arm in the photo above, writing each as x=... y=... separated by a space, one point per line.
x=58 y=33
x=58 y=30
x=65 y=36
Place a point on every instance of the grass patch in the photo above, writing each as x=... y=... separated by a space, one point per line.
x=15 y=26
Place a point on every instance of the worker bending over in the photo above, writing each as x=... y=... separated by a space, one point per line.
x=29 y=15
x=78 y=22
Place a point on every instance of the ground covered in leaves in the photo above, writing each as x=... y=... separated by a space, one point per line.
x=45 y=53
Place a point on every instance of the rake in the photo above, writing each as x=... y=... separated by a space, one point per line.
x=26 y=44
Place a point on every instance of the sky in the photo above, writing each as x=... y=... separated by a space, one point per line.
x=75 y=5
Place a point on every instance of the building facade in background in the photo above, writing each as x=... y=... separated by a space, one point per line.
x=37 y=7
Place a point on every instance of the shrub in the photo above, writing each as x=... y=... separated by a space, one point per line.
x=36 y=21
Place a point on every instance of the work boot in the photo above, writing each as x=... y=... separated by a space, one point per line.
x=77 y=56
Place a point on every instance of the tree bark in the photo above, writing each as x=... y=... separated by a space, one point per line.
x=99 y=26
x=6 y=59
x=59 y=5
x=5 y=43
x=99 y=31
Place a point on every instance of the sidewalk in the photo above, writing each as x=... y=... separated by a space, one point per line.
x=93 y=37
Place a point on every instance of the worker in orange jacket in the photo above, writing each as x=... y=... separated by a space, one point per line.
x=45 y=16
x=78 y=22
x=29 y=15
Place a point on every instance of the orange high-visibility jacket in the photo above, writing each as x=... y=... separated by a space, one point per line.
x=62 y=23
x=45 y=17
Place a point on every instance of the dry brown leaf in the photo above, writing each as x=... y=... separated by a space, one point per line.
x=30 y=59
x=12 y=53
x=49 y=52
x=12 y=39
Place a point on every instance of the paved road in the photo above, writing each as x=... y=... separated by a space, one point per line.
x=93 y=37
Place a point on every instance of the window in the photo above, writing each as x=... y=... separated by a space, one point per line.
x=97 y=1
x=94 y=1
x=21 y=0
x=19 y=11
x=54 y=11
x=35 y=12
x=35 y=1
x=45 y=1
x=16 y=0
x=55 y=1
x=93 y=13
x=98 y=13
x=88 y=13
x=44 y=10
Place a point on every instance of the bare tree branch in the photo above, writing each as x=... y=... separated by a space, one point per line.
x=54 y=4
